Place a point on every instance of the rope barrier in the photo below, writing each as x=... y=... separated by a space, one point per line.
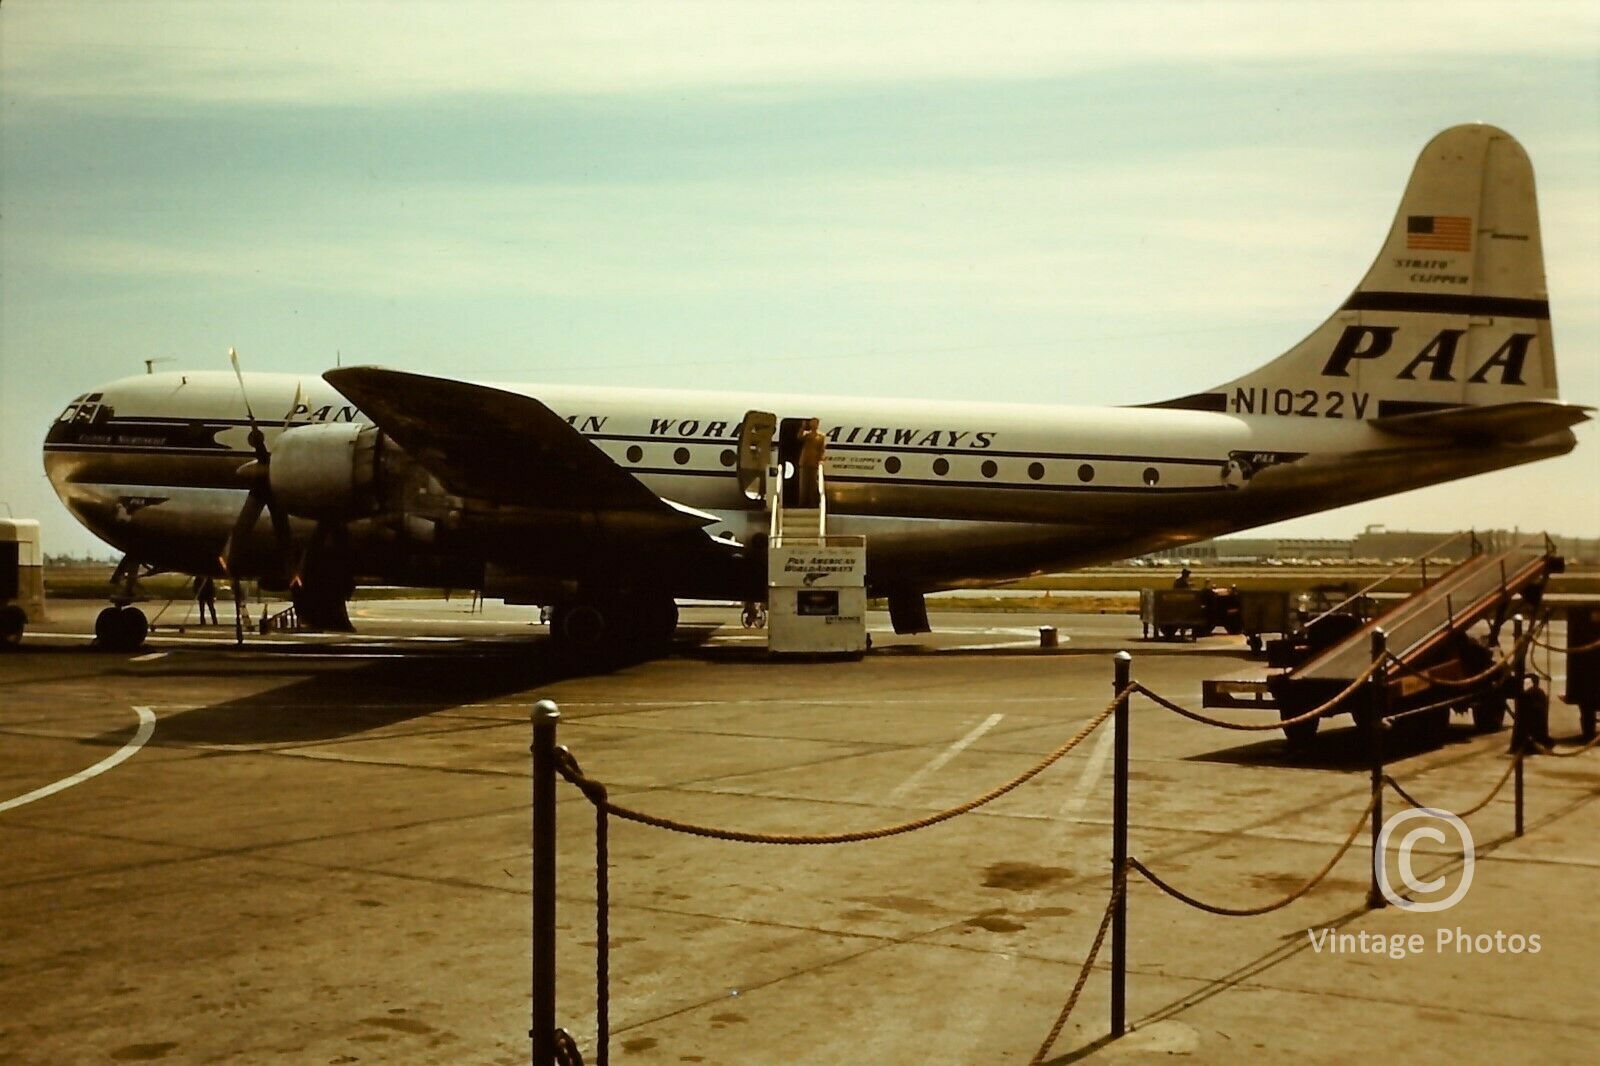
x=595 y=792
x=1119 y=887
x=1552 y=750
x=1248 y=912
x=1470 y=811
x=1581 y=649
x=1250 y=727
x=1499 y=666
x=1411 y=712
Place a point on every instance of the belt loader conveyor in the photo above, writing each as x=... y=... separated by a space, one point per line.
x=1427 y=631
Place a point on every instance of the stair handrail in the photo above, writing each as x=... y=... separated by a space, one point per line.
x=1398 y=569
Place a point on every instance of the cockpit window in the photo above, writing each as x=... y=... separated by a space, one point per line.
x=66 y=416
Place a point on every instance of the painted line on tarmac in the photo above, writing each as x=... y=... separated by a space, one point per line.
x=149 y=658
x=1092 y=770
x=147 y=725
x=945 y=756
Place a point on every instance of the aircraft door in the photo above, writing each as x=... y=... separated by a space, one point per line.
x=755 y=452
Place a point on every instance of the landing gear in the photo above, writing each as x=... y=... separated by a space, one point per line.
x=610 y=630
x=121 y=628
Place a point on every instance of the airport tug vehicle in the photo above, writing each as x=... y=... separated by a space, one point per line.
x=21 y=579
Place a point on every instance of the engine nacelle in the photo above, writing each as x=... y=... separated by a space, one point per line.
x=327 y=470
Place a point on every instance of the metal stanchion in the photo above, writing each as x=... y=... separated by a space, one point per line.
x=1121 y=672
x=1376 y=711
x=542 y=1025
x=1519 y=731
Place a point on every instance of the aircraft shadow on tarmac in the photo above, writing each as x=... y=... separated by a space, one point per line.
x=340 y=700
x=1340 y=749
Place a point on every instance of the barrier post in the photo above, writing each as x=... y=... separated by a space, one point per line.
x=1377 y=711
x=1121 y=672
x=542 y=1025
x=1519 y=732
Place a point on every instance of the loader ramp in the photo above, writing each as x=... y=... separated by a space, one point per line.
x=1426 y=632
x=1429 y=634
x=1484 y=587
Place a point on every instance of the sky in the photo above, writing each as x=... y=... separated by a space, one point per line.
x=1076 y=203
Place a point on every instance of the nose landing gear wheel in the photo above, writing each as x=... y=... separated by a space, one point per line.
x=121 y=628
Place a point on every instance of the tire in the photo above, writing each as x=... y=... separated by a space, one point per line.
x=120 y=628
x=1436 y=725
x=657 y=621
x=1300 y=735
x=581 y=626
x=1489 y=715
x=1168 y=632
x=135 y=627
x=1253 y=642
x=108 y=628
x=13 y=620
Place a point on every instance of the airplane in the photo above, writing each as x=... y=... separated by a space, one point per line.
x=608 y=505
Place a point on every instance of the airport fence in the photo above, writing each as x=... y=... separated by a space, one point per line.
x=550 y=762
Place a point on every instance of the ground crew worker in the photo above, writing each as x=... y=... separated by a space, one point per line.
x=1182 y=581
x=205 y=594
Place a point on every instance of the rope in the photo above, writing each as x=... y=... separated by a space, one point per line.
x=1451 y=701
x=1470 y=811
x=1552 y=750
x=1118 y=888
x=1498 y=666
x=1581 y=649
x=595 y=792
x=1248 y=912
x=1206 y=719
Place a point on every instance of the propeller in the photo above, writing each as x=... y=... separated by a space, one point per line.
x=256 y=473
x=317 y=578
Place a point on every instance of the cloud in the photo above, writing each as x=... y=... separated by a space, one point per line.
x=344 y=52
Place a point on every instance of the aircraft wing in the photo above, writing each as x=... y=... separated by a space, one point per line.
x=1523 y=420
x=503 y=446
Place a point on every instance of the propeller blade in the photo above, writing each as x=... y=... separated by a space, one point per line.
x=258 y=440
x=280 y=533
x=249 y=514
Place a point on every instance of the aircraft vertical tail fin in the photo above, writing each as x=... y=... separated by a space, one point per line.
x=1452 y=313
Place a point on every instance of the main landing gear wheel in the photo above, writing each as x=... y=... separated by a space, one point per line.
x=121 y=628
x=602 y=631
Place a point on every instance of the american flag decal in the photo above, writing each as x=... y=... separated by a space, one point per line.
x=1439 y=233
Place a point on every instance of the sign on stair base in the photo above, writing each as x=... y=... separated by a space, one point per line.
x=817 y=596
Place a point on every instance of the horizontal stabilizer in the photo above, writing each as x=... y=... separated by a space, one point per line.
x=502 y=446
x=1512 y=422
